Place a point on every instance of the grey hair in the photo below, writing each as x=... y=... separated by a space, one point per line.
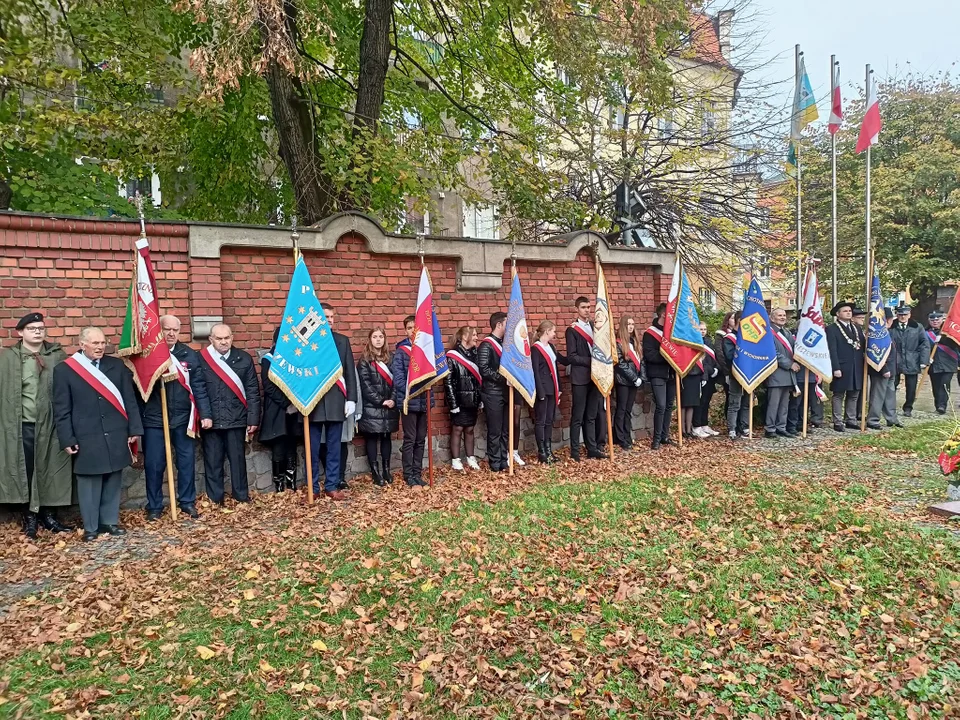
x=220 y=325
x=86 y=331
x=170 y=317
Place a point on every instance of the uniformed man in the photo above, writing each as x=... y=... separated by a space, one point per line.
x=188 y=410
x=234 y=394
x=782 y=383
x=944 y=361
x=883 y=394
x=327 y=418
x=587 y=400
x=846 y=342
x=493 y=393
x=98 y=422
x=913 y=348
x=35 y=472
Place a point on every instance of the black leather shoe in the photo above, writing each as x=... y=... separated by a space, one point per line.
x=941 y=411
x=154 y=515
x=50 y=522
x=114 y=530
x=838 y=427
x=343 y=485
x=853 y=426
x=667 y=441
x=896 y=424
x=770 y=435
x=655 y=445
x=908 y=413
x=873 y=427
x=90 y=536
x=786 y=434
x=30 y=525
x=190 y=510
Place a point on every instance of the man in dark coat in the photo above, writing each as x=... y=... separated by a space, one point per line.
x=586 y=398
x=327 y=418
x=944 y=361
x=186 y=415
x=913 y=354
x=35 y=472
x=846 y=342
x=782 y=383
x=662 y=379
x=98 y=422
x=234 y=395
x=493 y=391
x=280 y=427
x=882 y=389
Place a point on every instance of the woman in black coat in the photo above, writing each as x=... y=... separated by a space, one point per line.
x=280 y=427
x=545 y=358
x=380 y=417
x=462 y=389
x=626 y=378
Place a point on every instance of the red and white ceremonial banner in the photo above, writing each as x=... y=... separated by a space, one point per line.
x=870 y=129
x=836 y=104
x=811 y=348
x=951 y=324
x=423 y=361
x=141 y=341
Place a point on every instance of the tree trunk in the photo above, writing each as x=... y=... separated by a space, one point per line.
x=374 y=61
x=291 y=118
x=6 y=195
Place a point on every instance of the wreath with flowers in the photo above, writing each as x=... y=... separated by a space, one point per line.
x=949 y=460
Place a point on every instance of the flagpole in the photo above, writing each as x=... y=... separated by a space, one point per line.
x=868 y=268
x=420 y=240
x=307 y=449
x=166 y=443
x=510 y=434
x=806 y=399
x=797 y=55
x=750 y=417
x=866 y=340
x=833 y=154
x=679 y=414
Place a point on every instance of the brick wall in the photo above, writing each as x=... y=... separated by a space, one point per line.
x=77 y=272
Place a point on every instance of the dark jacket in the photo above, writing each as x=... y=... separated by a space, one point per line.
x=723 y=360
x=947 y=355
x=783 y=376
x=626 y=372
x=273 y=424
x=375 y=391
x=493 y=382
x=85 y=418
x=845 y=358
x=400 y=366
x=913 y=347
x=178 y=399
x=656 y=364
x=709 y=364
x=580 y=357
x=461 y=387
x=332 y=406
x=226 y=409
x=542 y=374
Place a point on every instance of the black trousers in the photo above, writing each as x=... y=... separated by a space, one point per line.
x=701 y=413
x=216 y=444
x=414 y=441
x=583 y=418
x=381 y=442
x=939 y=383
x=623 y=417
x=495 y=408
x=544 y=412
x=664 y=395
x=911 y=390
x=28 y=430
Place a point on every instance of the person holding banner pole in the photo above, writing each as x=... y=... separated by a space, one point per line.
x=737 y=410
x=493 y=391
x=546 y=358
x=944 y=361
x=627 y=382
x=662 y=380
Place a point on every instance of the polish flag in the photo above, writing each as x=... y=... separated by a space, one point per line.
x=870 y=130
x=423 y=363
x=836 y=108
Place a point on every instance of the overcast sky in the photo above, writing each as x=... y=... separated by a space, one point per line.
x=895 y=37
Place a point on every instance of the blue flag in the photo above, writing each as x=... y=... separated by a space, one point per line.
x=516 y=365
x=305 y=363
x=756 y=356
x=878 y=337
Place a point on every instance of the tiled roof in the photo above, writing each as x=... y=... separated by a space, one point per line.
x=705 y=40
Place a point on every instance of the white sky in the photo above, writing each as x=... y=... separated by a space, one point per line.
x=894 y=37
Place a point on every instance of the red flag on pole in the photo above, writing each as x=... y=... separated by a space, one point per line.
x=836 y=106
x=870 y=129
x=951 y=325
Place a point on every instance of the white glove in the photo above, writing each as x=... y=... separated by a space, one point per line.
x=638 y=382
x=349 y=408
x=454 y=411
x=715 y=373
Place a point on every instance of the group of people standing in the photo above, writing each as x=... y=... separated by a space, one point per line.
x=81 y=416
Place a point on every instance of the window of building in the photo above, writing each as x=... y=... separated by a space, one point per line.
x=480 y=222
x=763 y=266
x=666 y=125
x=708 y=119
x=707 y=299
x=415 y=220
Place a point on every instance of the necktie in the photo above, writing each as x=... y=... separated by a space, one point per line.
x=223 y=357
x=96 y=364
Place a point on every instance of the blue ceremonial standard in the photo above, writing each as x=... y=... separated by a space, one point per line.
x=305 y=364
x=756 y=354
x=516 y=365
x=878 y=336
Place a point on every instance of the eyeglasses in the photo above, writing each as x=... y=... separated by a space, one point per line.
x=34 y=328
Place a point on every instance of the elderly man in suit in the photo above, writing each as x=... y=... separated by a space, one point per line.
x=98 y=422
x=783 y=381
x=327 y=418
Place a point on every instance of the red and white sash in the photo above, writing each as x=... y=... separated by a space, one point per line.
x=551 y=357
x=183 y=377
x=342 y=385
x=732 y=337
x=656 y=333
x=936 y=344
x=384 y=372
x=495 y=344
x=632 y=354
x=466 y=364
x=783 y=341
x=83 y=366
x=408 y=349
x=709 y=351
x=586 y=332
x=225 y=373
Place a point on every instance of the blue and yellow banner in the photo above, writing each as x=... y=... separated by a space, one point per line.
x=516 y=364
x=878 y=336
x=756 y=356
x=305 y=363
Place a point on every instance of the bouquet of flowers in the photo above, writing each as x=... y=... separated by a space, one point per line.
x=949 y=460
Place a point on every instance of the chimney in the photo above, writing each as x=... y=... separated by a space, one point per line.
x=724 y=23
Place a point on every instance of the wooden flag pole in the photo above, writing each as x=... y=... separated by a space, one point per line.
x=430 y=434
x=606 y=401
x=750 y=417
x=309 y=458
x=806 y=398
x=926 y=370
x=679 y=414
x=510 y=433
x=166 y=443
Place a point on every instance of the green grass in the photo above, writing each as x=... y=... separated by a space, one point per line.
x=924 y=439
x=624 y=599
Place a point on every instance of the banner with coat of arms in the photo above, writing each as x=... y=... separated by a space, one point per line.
x=812 y=351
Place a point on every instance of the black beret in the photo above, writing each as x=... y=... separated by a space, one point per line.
x=888 y=313
x=33 y=317
x=859 y=312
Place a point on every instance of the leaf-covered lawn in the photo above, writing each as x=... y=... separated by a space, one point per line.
x=726 y=590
